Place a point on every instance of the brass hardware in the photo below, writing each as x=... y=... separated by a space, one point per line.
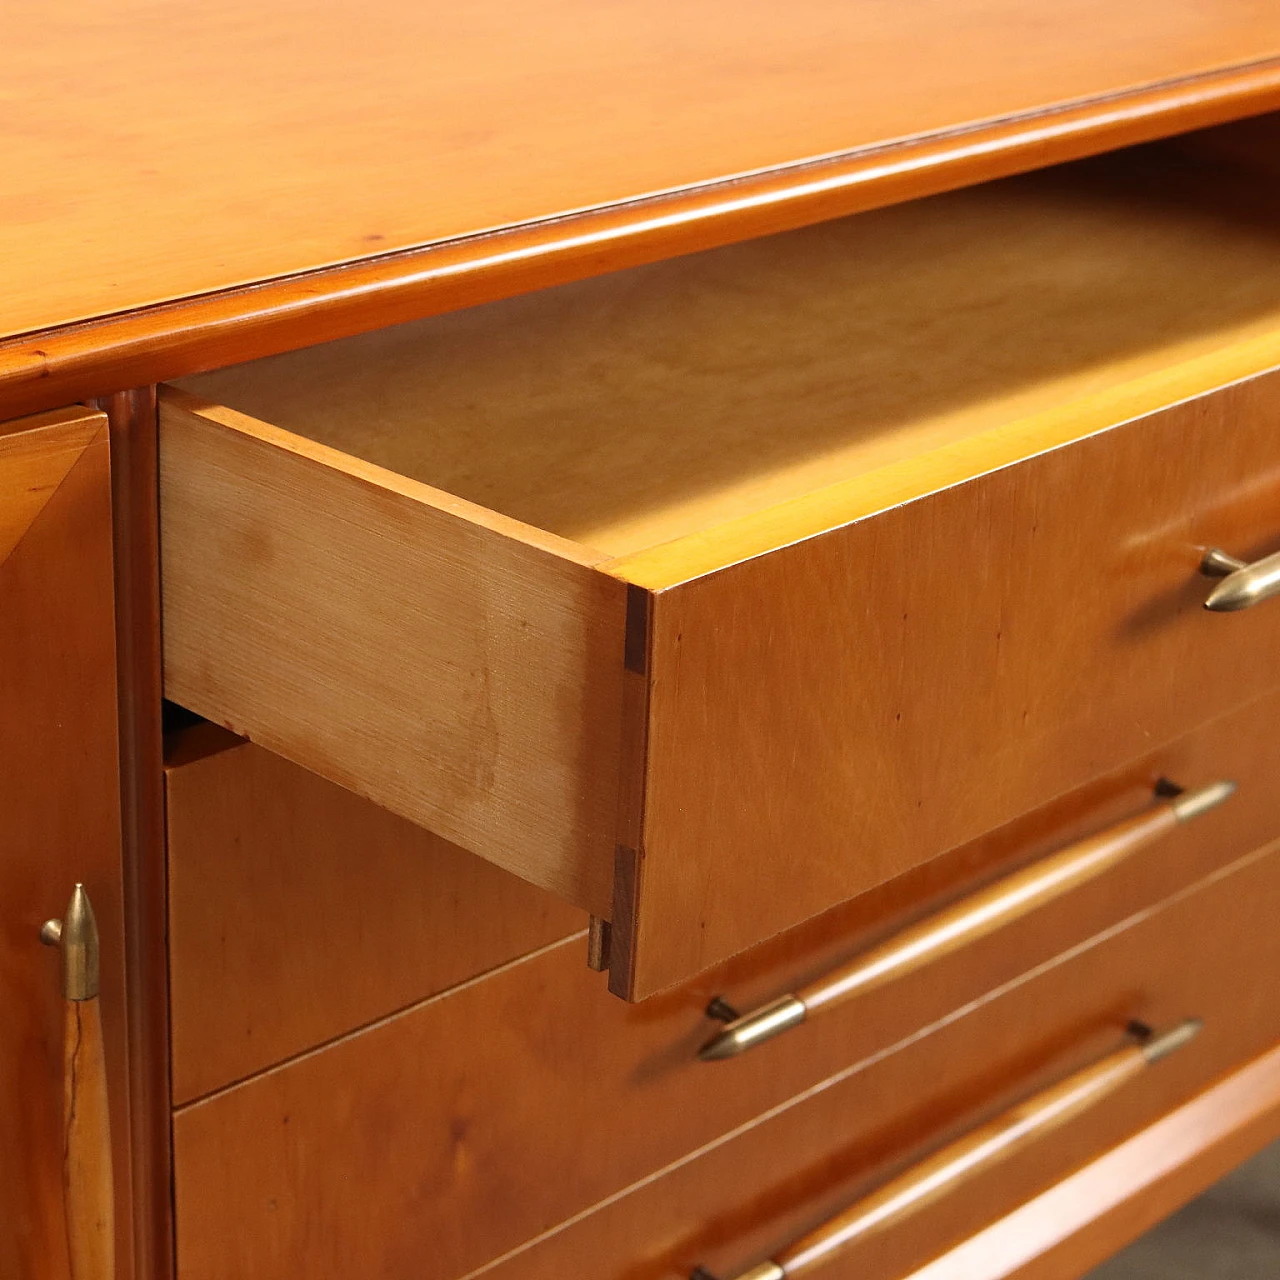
x=982 y=1148
x=1191 y=804
x=1161 y=1046
x=973 y=917
x=76 y=936
x=753 y=1028
x=87 y=1184
x=720 y=1010
x=1243 y=585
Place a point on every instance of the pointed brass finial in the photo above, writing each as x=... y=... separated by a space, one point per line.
x=77 y=936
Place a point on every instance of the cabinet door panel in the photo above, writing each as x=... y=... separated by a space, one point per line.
x=59 y=797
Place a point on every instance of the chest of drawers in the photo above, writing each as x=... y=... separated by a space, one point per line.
x=780 y=507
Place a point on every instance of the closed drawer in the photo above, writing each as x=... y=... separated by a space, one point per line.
x=713 y=594
x=299 y=912
x=768 y=1185
x=534 y=1090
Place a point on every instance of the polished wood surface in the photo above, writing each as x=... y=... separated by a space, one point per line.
x=1084 y=1219
x=299 y=912
x=951 y=930
x=591 y=1065
x=86 y=1127
x=512 y=123
x=959 y=925
x=885 y=691
x=947 y=1172
x=635 y=410
x=743 y=1198
x=748 y=654
x=131 y=426
x=59 y=793
x=429 y=656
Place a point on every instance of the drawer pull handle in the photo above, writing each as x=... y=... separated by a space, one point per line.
x=1243 y=585
x=963 y=922
x=977 y=1151
x=88 y=1194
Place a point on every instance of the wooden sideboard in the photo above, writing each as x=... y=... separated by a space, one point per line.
x=725 y=496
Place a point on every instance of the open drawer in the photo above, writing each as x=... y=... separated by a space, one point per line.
x=713 y=593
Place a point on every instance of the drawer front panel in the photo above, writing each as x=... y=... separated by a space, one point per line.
x=792 y=716
x=299 y=912
x=823 y=717
x=748 y=1197
x=535 y=1090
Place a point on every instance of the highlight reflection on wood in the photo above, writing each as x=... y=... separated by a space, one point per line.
x=964 y=922
x=950 y=1168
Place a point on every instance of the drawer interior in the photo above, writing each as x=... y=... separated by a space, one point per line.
x=639 y=408
x=502 y=572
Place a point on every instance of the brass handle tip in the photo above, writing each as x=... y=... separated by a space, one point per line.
x=754 y=1028
x=76 y=935
x=1161 y=1046
x=1191 y=804
x=765 y=1271
x=1243 y=585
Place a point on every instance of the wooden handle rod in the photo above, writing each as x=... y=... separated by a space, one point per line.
x=88 y=1191
x=984 y=1147
x=965 y=921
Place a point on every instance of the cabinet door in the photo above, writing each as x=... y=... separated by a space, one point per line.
x=59 y=827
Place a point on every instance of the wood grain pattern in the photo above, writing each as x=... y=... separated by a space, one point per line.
x=892 y=688
x=299 y=912
x=87 y=1164
x=648 y=406
x=451 y=665
x=466 y=1166
x=37 y=464
x=1085 y=1218
x=115 y=206
x=59 y=793
x=131 y=426
x=818 y=671
x=949 y=1170
x=741 y=1199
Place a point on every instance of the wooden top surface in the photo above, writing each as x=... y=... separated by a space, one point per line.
x=152 y=153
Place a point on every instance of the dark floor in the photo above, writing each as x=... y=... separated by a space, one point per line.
x=1231 y=1233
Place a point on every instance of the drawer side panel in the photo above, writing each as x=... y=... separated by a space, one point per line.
x=449 y=671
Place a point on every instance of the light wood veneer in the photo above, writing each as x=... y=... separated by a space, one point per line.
x=299 y=912
x=751 y=1189
x=59 y=796
x=998 y=601
x=535 y=1091
x=394 y=137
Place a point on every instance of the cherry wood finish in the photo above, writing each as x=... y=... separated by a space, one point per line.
x=959 y=925
x=833 y=671
x=88 y=1179
x=949 y=1170
x=742 y=1199
x=629 y=412
x=299 y=912
x=432 y=658
x=890 y=689
x=505 y=125
x=131 y=421
x=544 y=1095
x=1084 y=1219
x=59 y=794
